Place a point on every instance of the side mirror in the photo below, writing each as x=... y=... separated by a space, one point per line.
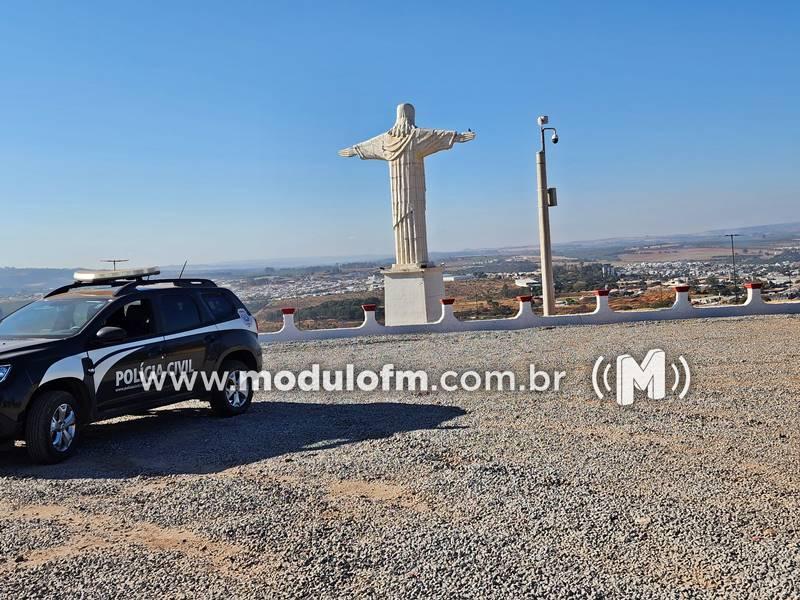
x=111 y=335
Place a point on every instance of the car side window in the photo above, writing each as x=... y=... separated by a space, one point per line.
x=136 y=318
x=220 y=306
x=180 y=313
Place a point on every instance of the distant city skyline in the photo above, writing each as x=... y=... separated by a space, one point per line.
x=209 y=131
x=773 y=230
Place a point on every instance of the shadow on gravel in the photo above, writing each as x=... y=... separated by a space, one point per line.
x=192 y=441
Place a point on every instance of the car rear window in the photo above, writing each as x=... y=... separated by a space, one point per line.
x=179 y=312
x=221 y=306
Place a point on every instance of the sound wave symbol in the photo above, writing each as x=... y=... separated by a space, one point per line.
x=595 y=370
x=688 y=380
x=676 y=373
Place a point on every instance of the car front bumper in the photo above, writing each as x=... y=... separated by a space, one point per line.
x=9 y=428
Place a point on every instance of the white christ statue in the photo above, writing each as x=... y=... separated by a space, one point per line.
x=405 y=147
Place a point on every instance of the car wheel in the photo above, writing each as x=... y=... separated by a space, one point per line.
x=51 y=429
x=237 y=394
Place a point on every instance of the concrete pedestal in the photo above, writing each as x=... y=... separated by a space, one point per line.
x=413 y=295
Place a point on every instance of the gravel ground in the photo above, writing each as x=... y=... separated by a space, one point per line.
x=440 y=495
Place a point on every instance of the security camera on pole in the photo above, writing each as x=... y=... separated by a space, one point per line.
x=547 y=198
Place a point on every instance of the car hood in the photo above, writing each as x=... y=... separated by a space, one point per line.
x=10 y=347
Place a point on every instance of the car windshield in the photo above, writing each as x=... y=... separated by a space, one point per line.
x=57 y=318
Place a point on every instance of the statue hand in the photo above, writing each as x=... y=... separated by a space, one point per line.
x=347 y=152
x=465 y=137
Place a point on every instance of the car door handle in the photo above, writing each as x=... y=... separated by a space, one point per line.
x=211 y=338
x=157 y=351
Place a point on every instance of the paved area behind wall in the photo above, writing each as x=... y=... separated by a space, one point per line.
x=442 y=495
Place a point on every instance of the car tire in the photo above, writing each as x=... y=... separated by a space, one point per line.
x=231 y=401
x=52 y=427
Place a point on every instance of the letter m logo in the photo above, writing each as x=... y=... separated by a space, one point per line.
x=649 y=376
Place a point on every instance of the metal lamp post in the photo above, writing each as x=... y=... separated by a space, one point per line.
x=733 y=261
x=547 y=198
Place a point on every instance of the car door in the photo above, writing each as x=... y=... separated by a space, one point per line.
x=119 y=368
x=188 y=333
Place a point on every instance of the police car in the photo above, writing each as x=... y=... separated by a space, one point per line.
x=79 y=354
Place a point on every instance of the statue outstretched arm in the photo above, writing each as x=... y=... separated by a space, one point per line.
x=431 y=141
x=370 y=150
x=465 y=137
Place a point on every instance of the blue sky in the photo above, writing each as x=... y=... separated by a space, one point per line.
x=161 y=131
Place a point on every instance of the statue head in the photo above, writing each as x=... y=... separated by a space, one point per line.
x=405 y=122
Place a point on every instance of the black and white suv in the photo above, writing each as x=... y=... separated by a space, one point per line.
x=79 y=355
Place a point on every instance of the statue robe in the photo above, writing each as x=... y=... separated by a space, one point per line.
x=405 y=156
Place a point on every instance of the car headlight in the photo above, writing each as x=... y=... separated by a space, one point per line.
x=4 y=371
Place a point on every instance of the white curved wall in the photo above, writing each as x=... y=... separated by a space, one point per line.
x=526 y=319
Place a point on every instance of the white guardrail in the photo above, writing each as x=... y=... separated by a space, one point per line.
x=526 y=319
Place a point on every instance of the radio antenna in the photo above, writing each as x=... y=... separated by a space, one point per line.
x=183 y=269
x=114 y=261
